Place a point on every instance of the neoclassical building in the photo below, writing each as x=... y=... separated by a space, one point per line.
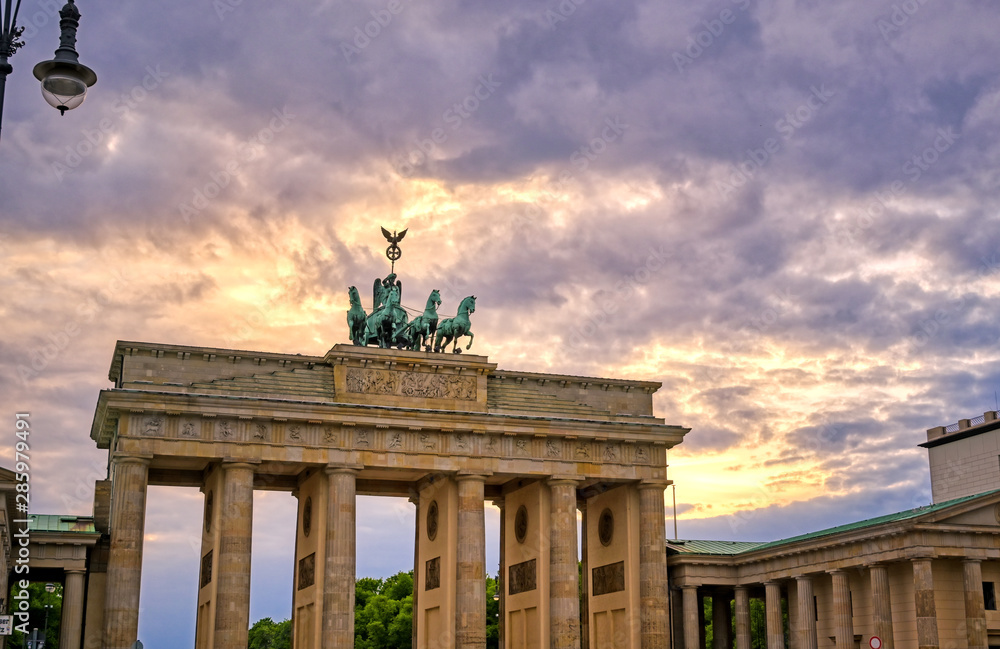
x=449 y=431
x=926 y=578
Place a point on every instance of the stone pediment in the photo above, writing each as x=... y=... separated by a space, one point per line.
x=977 y=511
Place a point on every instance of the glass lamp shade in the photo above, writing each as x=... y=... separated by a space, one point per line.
x=63 y=90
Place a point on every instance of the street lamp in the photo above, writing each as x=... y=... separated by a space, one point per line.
x=64 y=79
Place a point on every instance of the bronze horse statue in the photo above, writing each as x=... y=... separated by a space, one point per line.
x=454 y=328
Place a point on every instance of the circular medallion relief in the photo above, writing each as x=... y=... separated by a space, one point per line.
x=307 y=516
x=521 y=524
x=432 y=520
x=208 y=511
x=606 y=527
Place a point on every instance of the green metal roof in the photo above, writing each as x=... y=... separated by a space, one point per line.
x=59 y=523
x=741 y=547
x=712 y=547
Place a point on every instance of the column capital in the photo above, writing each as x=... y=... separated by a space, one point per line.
x=738 y=589
x=801 y=578
x=654 y=484
x=75 y=572
x=463 y=476
x=234 y=463
x=836 y=571
x=558 y=480
x=354 y=469
x=120 y=457
x=969 y=560
x=499 y=502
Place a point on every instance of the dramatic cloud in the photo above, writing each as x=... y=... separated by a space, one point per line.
x=786 y=212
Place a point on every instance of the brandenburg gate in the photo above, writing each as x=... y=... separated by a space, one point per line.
x=449 y=431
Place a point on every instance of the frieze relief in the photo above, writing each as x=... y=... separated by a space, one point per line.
x=383 y=438
x=411 y=384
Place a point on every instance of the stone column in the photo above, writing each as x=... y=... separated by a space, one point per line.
x=232 y=608
x=881 y=604
x=692 y=634
x=721 y=621
x=775 y=620
x=71 y=626
x=654 y=620
x=501 y=577
x=341 y=558
x=415 y=499
x=470 y=605
x=923 y=595
x=585 y=586
x=128 y=517
x=843 y=619
x=975 y=606
x=743 y=640
x=564 y=585
x=807 y=613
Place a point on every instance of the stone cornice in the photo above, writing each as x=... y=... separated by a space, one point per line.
x=112 y=404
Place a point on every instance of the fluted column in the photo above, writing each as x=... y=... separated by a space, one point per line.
x=775 y=620
x=923 y=595
x=721 y=621
x=807 y=613
x=232 y=611
x=415 y=499
x=585 y=586
x=654 y=619
x=975 y=606
x=341 y=557
x=564 y=584
x=128 y=517
x=843 y=620
x=501 y=578
x=881 y=604
x=72 y=610
x=692 y=633
x=743 y=639
x=470 y=608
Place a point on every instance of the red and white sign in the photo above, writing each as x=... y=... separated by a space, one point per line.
x=875 y=642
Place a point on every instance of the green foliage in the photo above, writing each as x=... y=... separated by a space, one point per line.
x=492 y=614
x=267 y=634
x=383 y=612
x=38 y=599
x=383 y=616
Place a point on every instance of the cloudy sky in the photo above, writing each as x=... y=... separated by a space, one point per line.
x=784 y=211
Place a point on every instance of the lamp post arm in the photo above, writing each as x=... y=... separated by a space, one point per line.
x=9 y=43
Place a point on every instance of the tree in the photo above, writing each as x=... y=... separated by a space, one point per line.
x=267 y=634
x=383 y=612
x=38 y=599
x=492 y=613
x=383 y=616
